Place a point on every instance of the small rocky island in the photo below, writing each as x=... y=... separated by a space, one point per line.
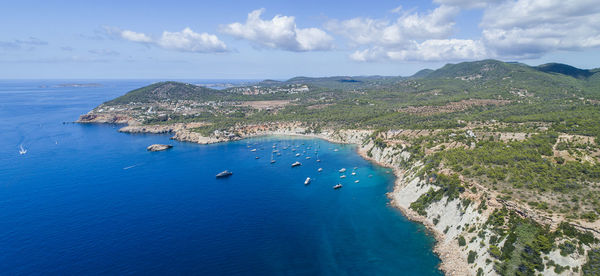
x=158 y=147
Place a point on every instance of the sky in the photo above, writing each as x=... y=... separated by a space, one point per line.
x=282 y=39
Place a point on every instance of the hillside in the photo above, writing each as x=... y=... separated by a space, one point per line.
x=164 y=91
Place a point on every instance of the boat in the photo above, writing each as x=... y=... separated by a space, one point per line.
x=343 y=170
x=343 y=176
x=297 y=154
x=308 y=157
x=22 y=150
x=353 y=173
x=307 y=181
x=278 y=154
x=253 y=150
x=295 y=164
x=335 y=150
x=224 y=173
x=320 y=170
x=337 y=186
x=293 y=149
x=256 y=157
x=356 y=181
x=272 y=160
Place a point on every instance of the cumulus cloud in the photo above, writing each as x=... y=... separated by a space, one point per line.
x=528 y=28
x=184 y=41
x=280 y=32
x=404 y=30
x=428 y=50
x=411 y=36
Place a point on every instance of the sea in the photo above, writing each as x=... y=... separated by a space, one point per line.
x=87 y=200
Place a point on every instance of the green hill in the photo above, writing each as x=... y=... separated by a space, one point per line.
x=169 y=90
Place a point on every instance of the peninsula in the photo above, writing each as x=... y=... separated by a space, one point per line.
x=501 y=161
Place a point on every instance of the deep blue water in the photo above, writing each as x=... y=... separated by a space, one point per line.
x=86 y=199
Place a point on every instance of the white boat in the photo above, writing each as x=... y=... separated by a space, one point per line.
x=297 y=154
x=356 y=181
x=307 y=181
x=343 y=176
x=320 y=170
x=337 y=186
x=353 y=173
x=308 y=157
x=224 y=173
x=253 y=150
x=295 y=164
x=257 y=157
x=343 y=170
x=335 y=150
x=22 y=150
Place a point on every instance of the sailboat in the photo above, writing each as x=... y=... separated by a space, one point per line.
x=22 y=150
x=272 y=160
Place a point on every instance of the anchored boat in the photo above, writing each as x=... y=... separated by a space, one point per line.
x=224 y=173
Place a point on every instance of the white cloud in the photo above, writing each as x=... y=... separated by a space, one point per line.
x=411 y=36
x=528 y=28
x=135 y=37
x=404 y=30
x=189 y=41
x=185 y=41
x=280 y=32
x=428 y=50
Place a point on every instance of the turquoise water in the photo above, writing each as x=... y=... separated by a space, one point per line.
x=86 y=199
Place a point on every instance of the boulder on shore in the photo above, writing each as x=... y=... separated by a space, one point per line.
x=158 y=147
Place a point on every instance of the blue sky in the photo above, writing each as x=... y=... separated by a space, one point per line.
x=282 y=39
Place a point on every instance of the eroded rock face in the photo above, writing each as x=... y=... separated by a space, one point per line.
x=158 y=147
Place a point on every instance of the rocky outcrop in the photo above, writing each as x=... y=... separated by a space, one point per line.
x=105 y=118
x=154 y=129
x=158 y=147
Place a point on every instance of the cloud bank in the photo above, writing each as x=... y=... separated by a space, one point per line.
x=509 y=29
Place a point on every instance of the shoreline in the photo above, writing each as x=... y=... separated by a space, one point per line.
x=449 y=260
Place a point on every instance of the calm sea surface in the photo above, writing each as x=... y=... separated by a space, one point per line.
x=86 y=199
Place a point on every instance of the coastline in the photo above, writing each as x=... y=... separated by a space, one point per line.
x=451 y=262
x=448 y=220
